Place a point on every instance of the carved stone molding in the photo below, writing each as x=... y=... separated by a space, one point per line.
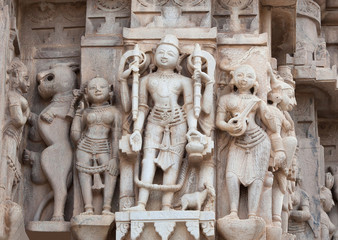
x=188 y=2
x=166 y=224
x=147 y=3
x=208 y=228
x=136 y=229
x=165 y=228
x=309 y=8
x=193 y=228
x=112 y=5
x=228 y=4
x=42 y=12
x=122 y=229
x=74 y=11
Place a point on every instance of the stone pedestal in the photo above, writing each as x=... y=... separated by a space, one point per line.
x=48 y=229
x=86 y=227
x=164 y=225
x=238 y=229
x=48 y=226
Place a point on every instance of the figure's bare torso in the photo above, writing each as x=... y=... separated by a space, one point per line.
x=98 y=121
x=166 y=89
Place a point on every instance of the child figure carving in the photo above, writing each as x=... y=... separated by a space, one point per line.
x=96 y=131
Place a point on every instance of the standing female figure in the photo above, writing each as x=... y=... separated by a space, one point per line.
x=249 y=152
x=96 y=131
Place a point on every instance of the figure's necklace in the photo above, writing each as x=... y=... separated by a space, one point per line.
x=98 y=109
x=165 y=75
x=245 y=96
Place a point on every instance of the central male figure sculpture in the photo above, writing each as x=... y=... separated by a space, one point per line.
x=165 y=133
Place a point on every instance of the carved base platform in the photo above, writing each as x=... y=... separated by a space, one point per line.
x=48 y=230
x=48 y=226
x=241 y=229
x=88 y=227
x=164 y=225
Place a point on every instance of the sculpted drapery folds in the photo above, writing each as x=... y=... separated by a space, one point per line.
x=96 y=132
x=249 y=152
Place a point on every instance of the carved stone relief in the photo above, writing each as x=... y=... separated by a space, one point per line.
x=234 y=22
x=140 y=144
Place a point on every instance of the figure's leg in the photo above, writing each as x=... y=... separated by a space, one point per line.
x=233 y=186
x=127 y=196
x=178 y=141
x=153 y=136
x=254 y=192
x=85 y=181
x=8 y=158
x=277 y=198
x=169 y=178
x=147 y=176
x=109 y=183
x=56 y=163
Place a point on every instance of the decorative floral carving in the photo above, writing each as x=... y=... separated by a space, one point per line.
x=208 y=228
x=147 y=3
x=193 y=228
x=241 y=4
x=74 y=11
x=112 y=5
x=186 y=3
x=136 y=229
x=121 y=230
x=164 y=229
x=41 y=12
x=309 y=8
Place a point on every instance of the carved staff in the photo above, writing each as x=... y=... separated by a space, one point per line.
x=135 y=87
x=138 y=62
x=197 y=65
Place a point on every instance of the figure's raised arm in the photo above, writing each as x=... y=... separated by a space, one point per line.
x=116 y=132
x=77 y=124
x=222 y=115
x=17 y=117
x=188 y=94
x=143 y=109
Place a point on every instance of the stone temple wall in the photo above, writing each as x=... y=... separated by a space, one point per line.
x=169 y=119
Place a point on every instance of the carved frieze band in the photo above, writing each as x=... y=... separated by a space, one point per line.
x=112 y=5
x=309 y=8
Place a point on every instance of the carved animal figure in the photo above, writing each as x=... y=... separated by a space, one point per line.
x=53 y=127
x=195 y=200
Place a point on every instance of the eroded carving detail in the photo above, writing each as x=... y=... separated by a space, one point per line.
x=136 y=229
x=121 y=230
x=193 y=228
x=164 y=229
x=112 y=5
